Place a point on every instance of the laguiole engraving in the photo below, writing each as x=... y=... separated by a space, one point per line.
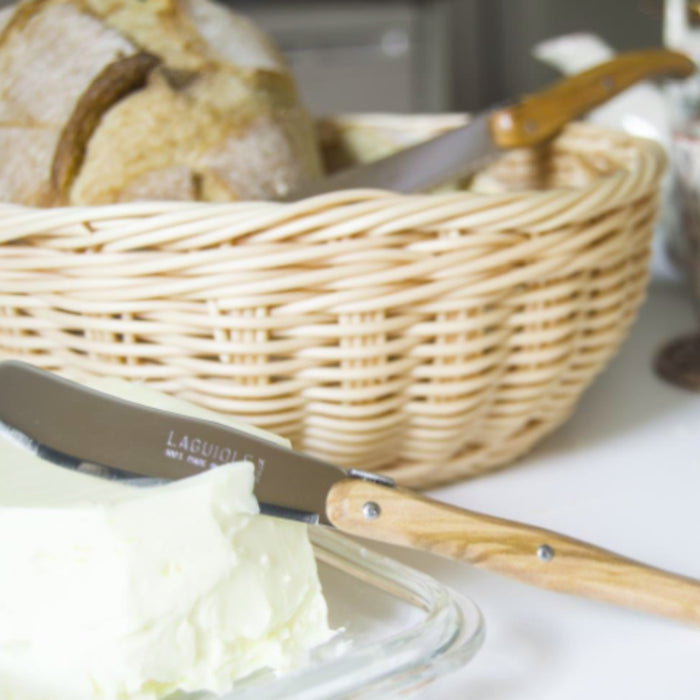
x=206 y=455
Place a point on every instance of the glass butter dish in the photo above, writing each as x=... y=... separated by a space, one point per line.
x=397 y=630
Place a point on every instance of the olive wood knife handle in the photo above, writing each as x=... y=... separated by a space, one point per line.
x=533 y=555
x=536 y=118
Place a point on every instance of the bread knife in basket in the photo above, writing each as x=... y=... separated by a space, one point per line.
x=530 y=121
x=84 y=429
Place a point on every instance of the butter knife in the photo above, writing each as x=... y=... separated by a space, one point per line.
x=91 y=431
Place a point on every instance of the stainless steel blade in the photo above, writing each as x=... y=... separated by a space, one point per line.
x=447 y=157
x=72 y=425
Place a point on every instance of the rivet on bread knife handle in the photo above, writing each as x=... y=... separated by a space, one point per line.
x=545 y=553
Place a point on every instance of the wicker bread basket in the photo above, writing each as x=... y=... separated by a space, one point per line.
x=431 y=337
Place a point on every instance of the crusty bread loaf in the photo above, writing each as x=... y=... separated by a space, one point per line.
x=111 y=100
x=48 y=59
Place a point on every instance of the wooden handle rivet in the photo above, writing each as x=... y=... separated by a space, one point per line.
x=608 y=83
x=545 y=552
x=530 y=126
x=504 y=120
x=371 y=510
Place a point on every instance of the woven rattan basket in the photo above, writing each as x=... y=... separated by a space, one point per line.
x=431 y=337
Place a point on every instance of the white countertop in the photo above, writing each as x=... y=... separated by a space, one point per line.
x=623 y=473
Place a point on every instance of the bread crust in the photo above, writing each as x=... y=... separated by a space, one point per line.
x=196 y=104
x=116 y=80
x=39 y=88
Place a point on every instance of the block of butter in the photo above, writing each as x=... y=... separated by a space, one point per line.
x=119 y=592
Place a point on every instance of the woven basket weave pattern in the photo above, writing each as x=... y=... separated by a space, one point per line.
x=431 y=337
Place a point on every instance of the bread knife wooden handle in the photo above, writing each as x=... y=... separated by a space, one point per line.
x=538 y=117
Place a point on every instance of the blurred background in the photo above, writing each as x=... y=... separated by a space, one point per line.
x=437 y=55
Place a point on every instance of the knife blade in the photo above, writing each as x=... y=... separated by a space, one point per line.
x=532 y=120
x=90 y=431
x=82 y=426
